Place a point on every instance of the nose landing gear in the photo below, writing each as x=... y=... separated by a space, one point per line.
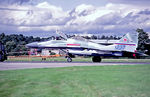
x=69 y=59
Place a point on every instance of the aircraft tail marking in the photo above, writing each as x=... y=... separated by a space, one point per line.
x=130 y=42
x=129 y=38
x=125 y=44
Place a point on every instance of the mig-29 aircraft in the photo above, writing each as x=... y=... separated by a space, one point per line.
x=125 y=47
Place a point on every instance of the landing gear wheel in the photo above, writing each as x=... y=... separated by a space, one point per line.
x=96 y=59
x=69 y=59
x=1 y=58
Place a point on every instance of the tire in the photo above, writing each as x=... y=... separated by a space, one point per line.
x=69 y=59
x=96 y=59
x=1 y=58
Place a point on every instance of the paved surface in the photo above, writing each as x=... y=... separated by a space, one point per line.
x=28 y=65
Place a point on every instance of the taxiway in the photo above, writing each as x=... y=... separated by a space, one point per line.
x=29 y=65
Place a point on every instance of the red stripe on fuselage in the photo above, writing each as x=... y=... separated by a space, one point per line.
x=125 y=44
x=73 y=44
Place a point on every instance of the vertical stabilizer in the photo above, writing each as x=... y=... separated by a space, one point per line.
x=128 y=42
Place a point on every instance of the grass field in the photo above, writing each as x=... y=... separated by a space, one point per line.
x=95 y=81
x=78 y=59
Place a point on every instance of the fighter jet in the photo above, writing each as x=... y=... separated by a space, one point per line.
x=125 y=47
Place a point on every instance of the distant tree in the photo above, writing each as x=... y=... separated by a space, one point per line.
x=86 y=37
x=111 y=37
x=106 y=37
x=103 y=37
x=142 y=40
x=2 y=36
x=115 y=37
x=37 y=39
x=20 y=37
x=15 y=44
x=29 y=39
x=94 y=37
x=10 y=46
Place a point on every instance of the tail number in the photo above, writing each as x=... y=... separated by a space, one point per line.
x=120 y=47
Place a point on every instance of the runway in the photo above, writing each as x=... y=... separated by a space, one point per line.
x=29 y=65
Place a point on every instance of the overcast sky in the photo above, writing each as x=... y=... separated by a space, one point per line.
x=42 y=17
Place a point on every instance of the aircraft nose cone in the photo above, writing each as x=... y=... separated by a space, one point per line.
x=32 y=45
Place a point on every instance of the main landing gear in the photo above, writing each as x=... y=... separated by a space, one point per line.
x=3 y=56
x=96 y=59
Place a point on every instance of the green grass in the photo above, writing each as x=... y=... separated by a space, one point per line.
x=75 y=59
x=95 y=81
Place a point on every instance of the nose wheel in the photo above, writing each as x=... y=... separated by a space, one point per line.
x=2 y=57
x=69 y=59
